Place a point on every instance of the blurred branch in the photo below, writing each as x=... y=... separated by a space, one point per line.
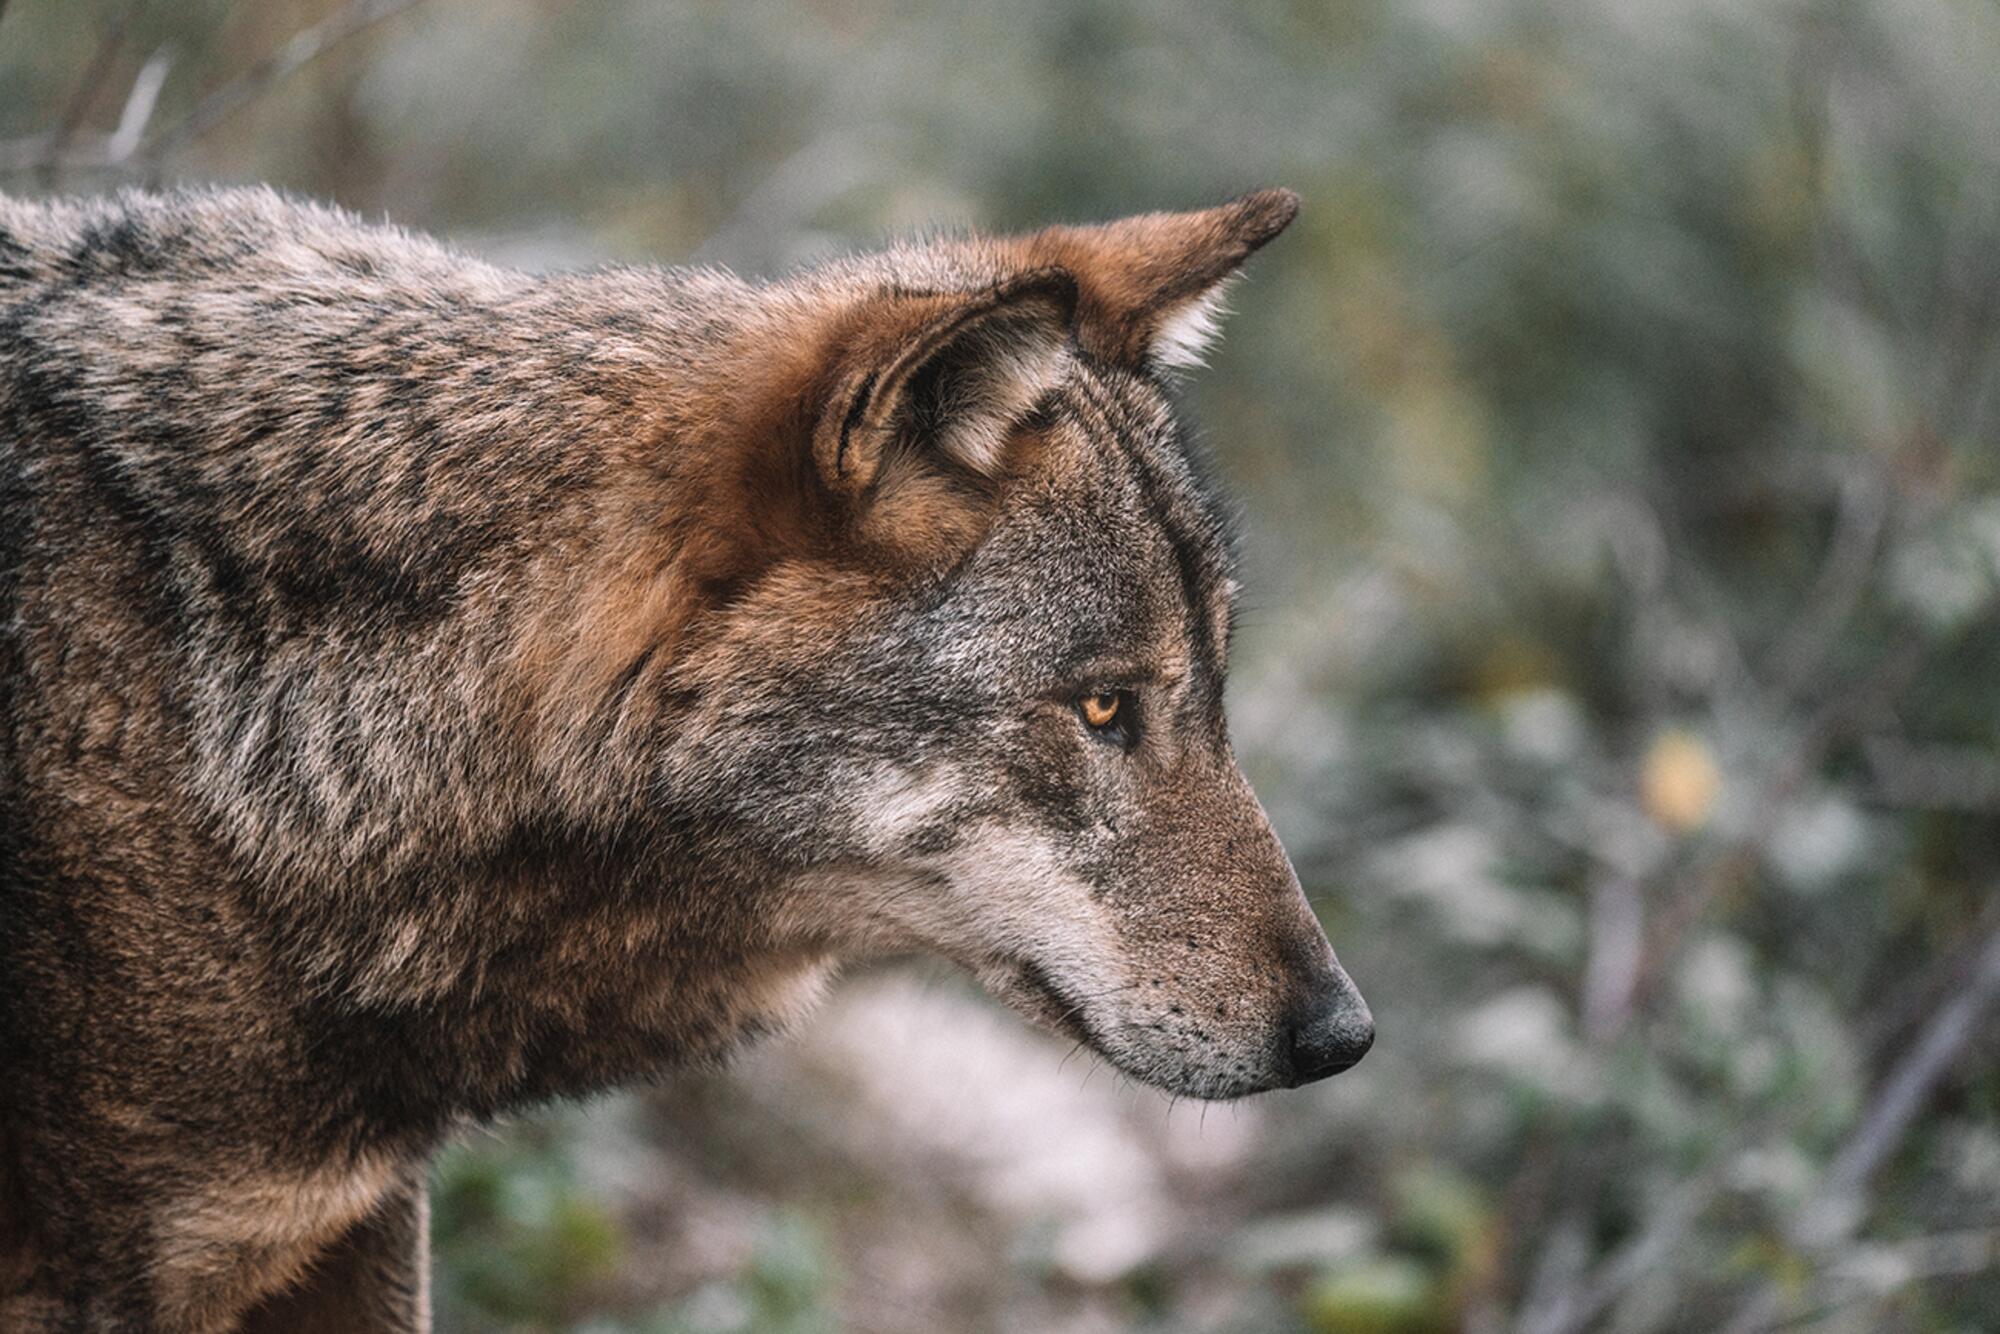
x=87 y=88
x=1834 y=1209
x=1901 y=1096
x=129 y=144
x=1733 y=863
x=1881 y=1271
x=1934 y=778
x=1547 y=1307
x=138 y=110
x=1617 y=952
x=305 y=47
x=1625 y=964
x=1900 y=1011
x=1837 y=1207
x=1843 y=580
x=1591 y=1295
x=1875 y=1273
x=808 y=179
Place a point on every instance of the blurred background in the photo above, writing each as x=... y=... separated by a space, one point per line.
x=1616 y=439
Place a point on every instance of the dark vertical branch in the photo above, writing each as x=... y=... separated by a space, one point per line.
x=55 y=151
x=88 y=86
x=304 y=47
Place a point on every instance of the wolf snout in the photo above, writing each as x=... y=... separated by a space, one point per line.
x=1328 y=1032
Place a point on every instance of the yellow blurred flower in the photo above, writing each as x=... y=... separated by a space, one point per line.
x=1679 y=782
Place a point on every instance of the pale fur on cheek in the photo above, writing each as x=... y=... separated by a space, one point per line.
x=998 y=890
x=895 y=802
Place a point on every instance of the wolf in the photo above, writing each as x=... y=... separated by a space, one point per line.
x=428 y=689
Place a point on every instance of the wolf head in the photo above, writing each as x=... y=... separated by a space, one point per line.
x=974 y=603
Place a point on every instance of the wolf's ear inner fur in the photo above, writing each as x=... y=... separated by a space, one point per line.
x=959 y=372
x=1151 y=285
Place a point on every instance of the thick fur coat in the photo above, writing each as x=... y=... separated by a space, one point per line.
x=427 y=689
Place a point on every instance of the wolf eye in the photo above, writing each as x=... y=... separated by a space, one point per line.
x=1110 y=714
x=1100 y=710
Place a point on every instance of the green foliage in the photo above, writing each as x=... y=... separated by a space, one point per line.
x=783 y=1290
x=1381 y=1296
x=518 y=1240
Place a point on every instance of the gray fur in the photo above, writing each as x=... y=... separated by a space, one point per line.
x=427 y=689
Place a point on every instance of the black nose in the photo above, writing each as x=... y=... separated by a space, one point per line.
x=1329 y=1036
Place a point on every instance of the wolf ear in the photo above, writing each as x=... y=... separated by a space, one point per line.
x=1151 y=286
x=951 y=373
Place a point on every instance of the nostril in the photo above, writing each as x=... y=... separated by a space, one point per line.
x=1329 y=1043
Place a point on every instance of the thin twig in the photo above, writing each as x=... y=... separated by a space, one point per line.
x=1553 y=1283
x=1580 y=1306
x=87 y=88
x=1861 y=1278
x=787 y=197
x=1936 y=778
x=304 y=47
x=1901 y=1097
x=50 y=152
x=1637 y=980
x=1892 y=1017
x=1729 y=866
x=1883 y=1269
x=138 y=109
x=1617 y=929
x=1844 y=575
x=1836 y=1207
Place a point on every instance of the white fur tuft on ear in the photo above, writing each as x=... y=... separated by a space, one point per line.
x=1186 y=334
x=986 y=401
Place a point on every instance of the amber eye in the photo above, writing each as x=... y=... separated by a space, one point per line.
x=1101 y=710
x=1111 y=715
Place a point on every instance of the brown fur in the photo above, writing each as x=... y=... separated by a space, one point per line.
x=426 y=690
